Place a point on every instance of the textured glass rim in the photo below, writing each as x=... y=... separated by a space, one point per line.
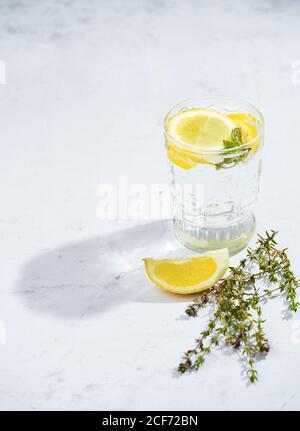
x=204 y=150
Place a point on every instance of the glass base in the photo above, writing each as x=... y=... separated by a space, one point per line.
x=235 y=237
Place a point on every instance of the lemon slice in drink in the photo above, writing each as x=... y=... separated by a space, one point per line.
x=188 y=275
x=200 y=128
x=246 y=122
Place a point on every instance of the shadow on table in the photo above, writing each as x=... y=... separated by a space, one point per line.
x=88 y=277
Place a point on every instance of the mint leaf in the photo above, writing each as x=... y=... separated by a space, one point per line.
x=236 y=135
x=233 y=145
x=230 y=144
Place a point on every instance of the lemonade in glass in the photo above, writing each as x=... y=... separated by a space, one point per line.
x=214 y=146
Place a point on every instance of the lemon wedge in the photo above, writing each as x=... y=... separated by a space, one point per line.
x=188 y=275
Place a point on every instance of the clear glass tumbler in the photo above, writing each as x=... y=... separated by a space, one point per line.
x=215 y=187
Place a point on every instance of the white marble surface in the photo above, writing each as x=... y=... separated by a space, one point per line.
x=88 y=83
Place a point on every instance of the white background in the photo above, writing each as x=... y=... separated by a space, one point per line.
x=88 y=83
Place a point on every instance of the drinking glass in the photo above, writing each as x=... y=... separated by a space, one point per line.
x=214 y=191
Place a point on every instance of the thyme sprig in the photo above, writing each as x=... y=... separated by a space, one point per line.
x=237 y=318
